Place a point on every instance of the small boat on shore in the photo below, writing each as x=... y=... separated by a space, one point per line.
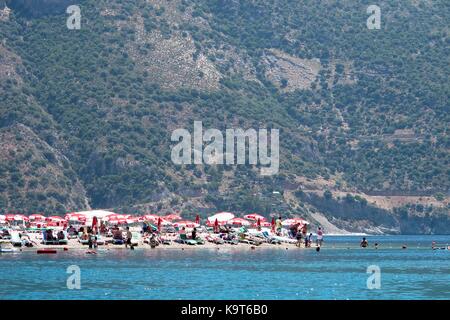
x=46 y=251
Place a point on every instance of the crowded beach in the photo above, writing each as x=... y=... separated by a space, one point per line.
x=98 y=229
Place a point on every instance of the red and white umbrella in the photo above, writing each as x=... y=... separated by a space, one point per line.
x=133 y=220
x=16 y=217
x=238 y=222
x=222 y=217
x=151 y=217
x=290 y=222
x=36 y=217
x=172 y=217
x=255 y=217
x=266 y=224
x=116 y=216
x=77 y=217
x=216 y=223
x=186 y=224
x=55 y=219
x=118 y=221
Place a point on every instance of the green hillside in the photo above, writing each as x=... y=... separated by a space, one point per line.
x=88 y=114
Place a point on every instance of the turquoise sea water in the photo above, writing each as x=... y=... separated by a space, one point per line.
x=338 y=271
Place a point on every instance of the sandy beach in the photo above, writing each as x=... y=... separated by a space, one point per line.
x=74 y=244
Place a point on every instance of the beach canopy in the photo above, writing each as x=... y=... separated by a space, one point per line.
x=116 y=216
x=76 y=217
x=222 y=217
x=290 y=222
x=265 y=224
x=132 y=220
x=151 y=217
x=255 y=217
x=238 y=222
x=186 y=224
x=16 y=217
x=36 y=217
x=100 y=214
x=172 y=217
x=55 y=219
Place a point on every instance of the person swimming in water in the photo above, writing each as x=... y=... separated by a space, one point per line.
x=364 y=243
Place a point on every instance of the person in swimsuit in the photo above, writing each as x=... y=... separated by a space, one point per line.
x=364 y=243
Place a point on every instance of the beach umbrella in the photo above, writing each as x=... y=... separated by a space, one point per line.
x=254 y=217
x=151 y=217
x=94 y=224
x=55 y=219
x=186 y=224
x=197 y=219
x=77 y=217
x=238 y=222
x=159 y=224
x=266 y=224
x=172 y=217
x=131 y=220
x=119 y=221
x=221 y=217
x=16 y=217
x=36 y=217
x=116 y=216
x=290 y=222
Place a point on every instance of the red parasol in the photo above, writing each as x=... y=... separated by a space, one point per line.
x=238 y=222
x=254 y=217
x=172 y=217
x=94 y=224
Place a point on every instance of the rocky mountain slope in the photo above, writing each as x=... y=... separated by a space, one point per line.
x=86 y=115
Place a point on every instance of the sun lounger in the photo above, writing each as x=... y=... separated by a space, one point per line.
x=215 y=240
x=269 y=238
x=184 y=240
x=199 y=241
x=81 y=240
x=15 y=239
x=100 y=240
x=249 y=240
x=46 y=241
x=285 y=239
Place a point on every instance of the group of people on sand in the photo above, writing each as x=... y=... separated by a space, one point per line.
x=303 y=238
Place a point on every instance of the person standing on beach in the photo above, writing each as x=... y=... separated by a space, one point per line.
x=278 y=225
x=129 y=236
x=310 y=239
x=194 y=233
x=319 y=237
x=299 y=239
